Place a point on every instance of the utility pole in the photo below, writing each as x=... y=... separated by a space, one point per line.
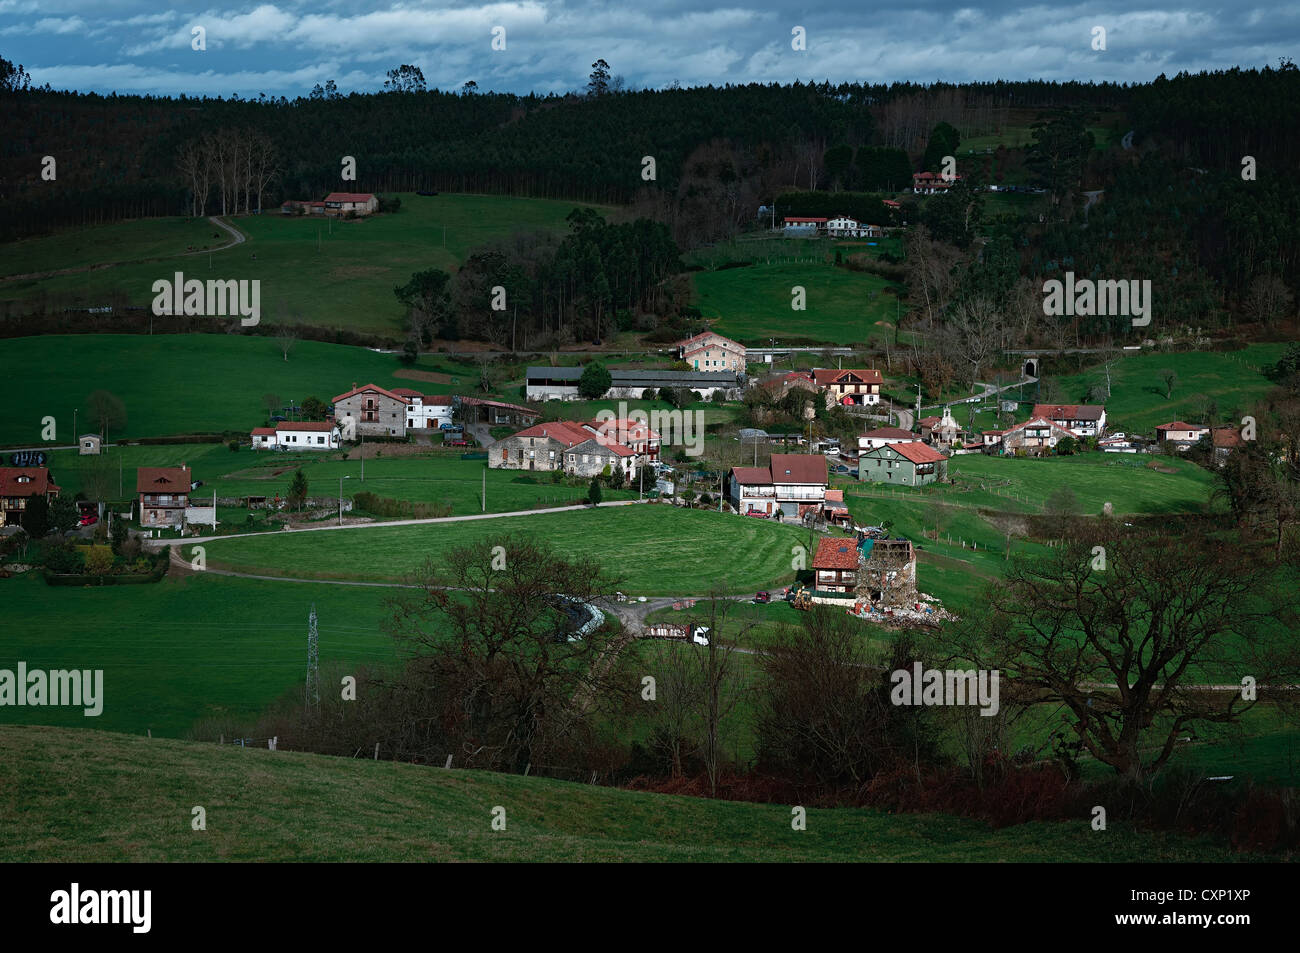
x=313 y=662
x=74 y=425
x=485 y=489
x=363 y=456
x=341 y=479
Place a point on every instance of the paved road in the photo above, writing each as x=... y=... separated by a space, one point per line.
x=193 y=540
x=236 y=235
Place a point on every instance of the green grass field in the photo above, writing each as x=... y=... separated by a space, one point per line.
x=185 y=649
x=339 y=274
x=144 y=238
x=654 y=549
x=435 y=476
x=754 y=304
x=189 y=383
x=316 y=808
x=1233 y=380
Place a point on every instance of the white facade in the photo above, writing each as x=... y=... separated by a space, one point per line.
x=423 y=415
x=297 y=436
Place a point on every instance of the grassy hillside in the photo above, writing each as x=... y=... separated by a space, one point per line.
x=109 y=244
x=753 y=304
x=434 y=476
x=187 y=383
x=655 y=549
x=312 y=271
x=1232 y=380
x=198 y=647
x=283 y=806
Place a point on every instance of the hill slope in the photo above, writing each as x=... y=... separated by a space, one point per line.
x=89 y=796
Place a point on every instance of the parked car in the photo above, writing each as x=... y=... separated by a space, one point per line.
x=196 y=484
x=455 y=442
x=763 y=597
x=277 y=419
x=89 y=520
x=759 y=513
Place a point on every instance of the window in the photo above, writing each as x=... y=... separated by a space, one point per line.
x=320 y=439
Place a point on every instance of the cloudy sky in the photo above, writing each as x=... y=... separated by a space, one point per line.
x=285 y=47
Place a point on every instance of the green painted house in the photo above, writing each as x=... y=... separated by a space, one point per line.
x=911 y=463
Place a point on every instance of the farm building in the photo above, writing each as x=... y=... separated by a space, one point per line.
x=20 y=484
x=908 y=463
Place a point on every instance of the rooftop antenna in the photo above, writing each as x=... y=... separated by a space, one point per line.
x=313 y=661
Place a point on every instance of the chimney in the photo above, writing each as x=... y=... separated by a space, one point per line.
x=354 y=385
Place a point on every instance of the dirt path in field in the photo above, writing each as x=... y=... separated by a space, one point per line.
x=237 y=238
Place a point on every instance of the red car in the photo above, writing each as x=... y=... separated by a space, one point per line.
x=759 y=513
x=457 y=442
x=89 y=520
x=763 y=597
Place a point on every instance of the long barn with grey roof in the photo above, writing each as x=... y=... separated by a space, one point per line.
x=561 y=383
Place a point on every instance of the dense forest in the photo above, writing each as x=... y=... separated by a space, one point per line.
x=1200 y=200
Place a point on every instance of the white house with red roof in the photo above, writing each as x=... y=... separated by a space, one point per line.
x=1086 y=420
x=425 y=411
x=835 y=564
x=1182 y=435
x=710 y=351
x=1036 y=436
x=297 y=435
x=932 y=183
x=340 y=203
x=882 y=436
x=856 y=387
x=842 y=226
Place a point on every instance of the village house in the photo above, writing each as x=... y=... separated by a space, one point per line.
x=583 y=450
x=781 y=384
x=20 y=484
x=943 y=431
x=425 y=411
x=340 y=203
x=302 y=207
x=1179 y=434
x=598 y=457
x=711 y=351
x=791 y=485
x=800 y=226
x=164 y=493
x=842 y=226
x=1225 y=440
x=1037 y=436
x=991 y=440
x=887 y=572
x=90 y=444
x=908 y=463
x=635 y=434
x=481 y=410
x=1085 y=420
x=834 y=510
x=835 y=565
x=849 y=387
x=883 y=436
x=297 y=435
x=374 y=410
x=561 y=383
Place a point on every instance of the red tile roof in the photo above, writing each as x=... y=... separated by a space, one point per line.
x=890 y=433
x=37 y=484
x=565 y=431
x=704 y=334
x=1227 y=437
x=917 y=452
x=407 y=392
x=162 y=480
x=263 y=431
x=349 y=197
x=834 y=496
x=836 y=553
x=799 y=468
x=374 y=387
x=624 y=429
x=314 y=426
x=1179 y=425
x=477 y=401
x=1068 y=411
x=848 y=375
x=753 y=476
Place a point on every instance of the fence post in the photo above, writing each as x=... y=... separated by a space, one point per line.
x=376 y=750
x=448 y=762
